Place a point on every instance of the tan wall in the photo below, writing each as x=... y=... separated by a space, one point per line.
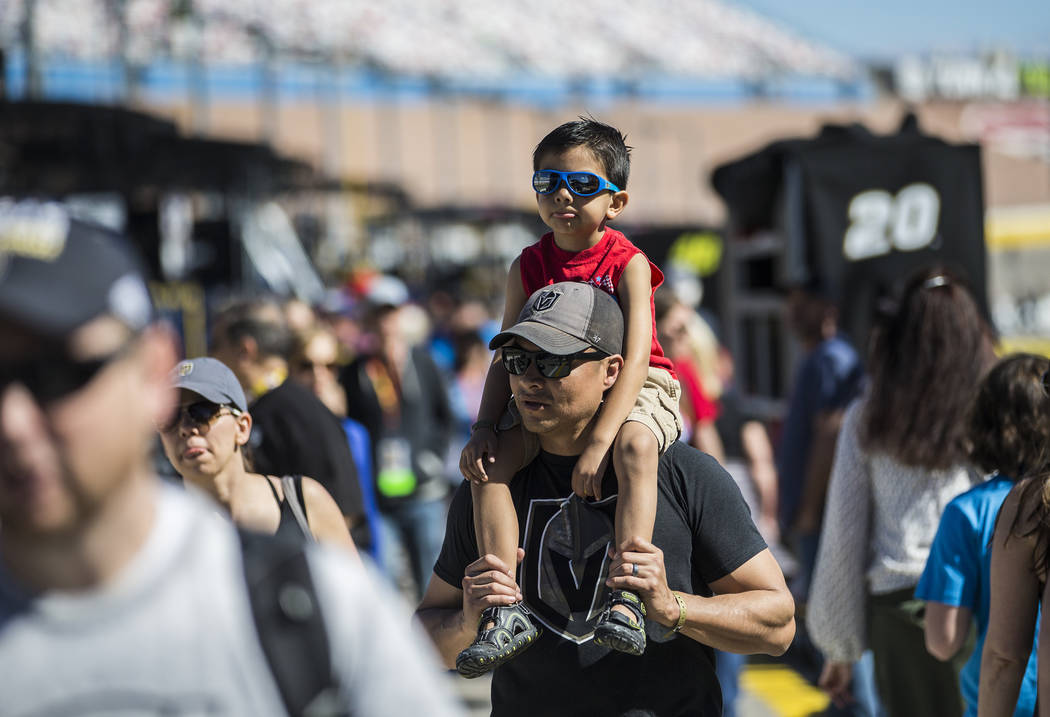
x=470 y=153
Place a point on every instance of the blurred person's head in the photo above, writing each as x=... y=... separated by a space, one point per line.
x=299 y=315
x=926 y=361
x=316 y=363
x=1009 y=426
x=470 y=352
x=685 y=336
x=392 y=320
x=811 y=312
x=83 y=379
x=251 y=336
x=206 y=436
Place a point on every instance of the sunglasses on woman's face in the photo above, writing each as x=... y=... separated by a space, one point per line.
x=200 y=415
x=517 y=361
x=582 y=184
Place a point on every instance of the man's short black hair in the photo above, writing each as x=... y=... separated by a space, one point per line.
x=260 y=319
x=605 y=141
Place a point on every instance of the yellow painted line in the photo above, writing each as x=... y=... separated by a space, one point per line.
x=1014 y=228
x=1024 y=344
x=783 y=690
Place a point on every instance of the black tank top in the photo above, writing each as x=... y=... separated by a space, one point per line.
x=288 y=527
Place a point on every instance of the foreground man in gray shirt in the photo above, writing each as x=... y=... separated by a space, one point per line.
x=119 y=594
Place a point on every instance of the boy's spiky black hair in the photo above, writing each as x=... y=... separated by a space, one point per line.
x=606 y=142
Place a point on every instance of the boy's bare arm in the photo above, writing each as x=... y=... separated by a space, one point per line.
x=634 y=292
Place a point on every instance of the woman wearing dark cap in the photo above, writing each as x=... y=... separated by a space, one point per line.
x=206 y=442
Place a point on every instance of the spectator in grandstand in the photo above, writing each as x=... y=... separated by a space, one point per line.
x=292 y=431
x=1009 y=426
x=395 y=390
x=122 y=594
x=899 y=459
x=208 y=451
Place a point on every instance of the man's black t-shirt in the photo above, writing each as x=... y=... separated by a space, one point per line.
x=705 y=531
x=294 y=433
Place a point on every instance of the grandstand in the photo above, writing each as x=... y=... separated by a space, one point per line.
x=447 y=40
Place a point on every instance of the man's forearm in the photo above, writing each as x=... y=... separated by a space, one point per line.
x=756 y=621
x=447 y=631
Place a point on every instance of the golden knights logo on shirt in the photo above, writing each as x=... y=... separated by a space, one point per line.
x=566 y=563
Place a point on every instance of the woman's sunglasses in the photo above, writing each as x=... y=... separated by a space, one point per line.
x=582 y=184
x=199 y=414
x=517 y=361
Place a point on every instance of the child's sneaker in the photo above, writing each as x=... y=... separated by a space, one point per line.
x=618 y=631
x=510 y=633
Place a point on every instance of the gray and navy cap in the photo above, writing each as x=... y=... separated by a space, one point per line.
x=566 y=318
x=211 y=379
x=58 y=273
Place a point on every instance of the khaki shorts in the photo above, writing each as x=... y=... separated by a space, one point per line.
x=656 y=408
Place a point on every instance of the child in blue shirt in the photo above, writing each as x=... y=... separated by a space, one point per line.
x=1009 y=425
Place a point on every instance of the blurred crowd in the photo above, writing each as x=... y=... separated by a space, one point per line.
x=873 y=455
x=879 y=492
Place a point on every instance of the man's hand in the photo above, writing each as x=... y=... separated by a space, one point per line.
x=649 y=580
x=488 y=581
x=835 y=679
x=589 y=471
x=480 y=449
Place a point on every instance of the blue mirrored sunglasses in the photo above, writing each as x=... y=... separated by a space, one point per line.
x=582 y=184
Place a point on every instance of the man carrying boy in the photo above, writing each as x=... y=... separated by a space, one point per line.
x=640 y=418
x=706 y=574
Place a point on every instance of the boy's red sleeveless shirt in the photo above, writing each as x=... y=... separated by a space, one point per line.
x=602 y=265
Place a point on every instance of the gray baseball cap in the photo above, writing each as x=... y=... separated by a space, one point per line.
x=568 y=317
x=211 y=379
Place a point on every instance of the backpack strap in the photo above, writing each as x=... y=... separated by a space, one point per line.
x=292 y=487
x=290 y=625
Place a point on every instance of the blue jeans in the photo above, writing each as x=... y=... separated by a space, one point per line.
x=419 y=528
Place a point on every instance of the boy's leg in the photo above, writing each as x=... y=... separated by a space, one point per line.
x=506 y=630
x=636 y=457
x=495 y=520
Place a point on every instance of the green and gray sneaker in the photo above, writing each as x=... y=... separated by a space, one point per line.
x=510 y=631
x=618 y=631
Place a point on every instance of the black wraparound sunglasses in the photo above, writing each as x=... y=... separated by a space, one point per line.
x=517 y=361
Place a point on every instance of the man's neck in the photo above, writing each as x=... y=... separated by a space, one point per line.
x=91 y=554
x=568 y=441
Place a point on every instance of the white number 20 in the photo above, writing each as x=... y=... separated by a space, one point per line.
x=881 y=222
